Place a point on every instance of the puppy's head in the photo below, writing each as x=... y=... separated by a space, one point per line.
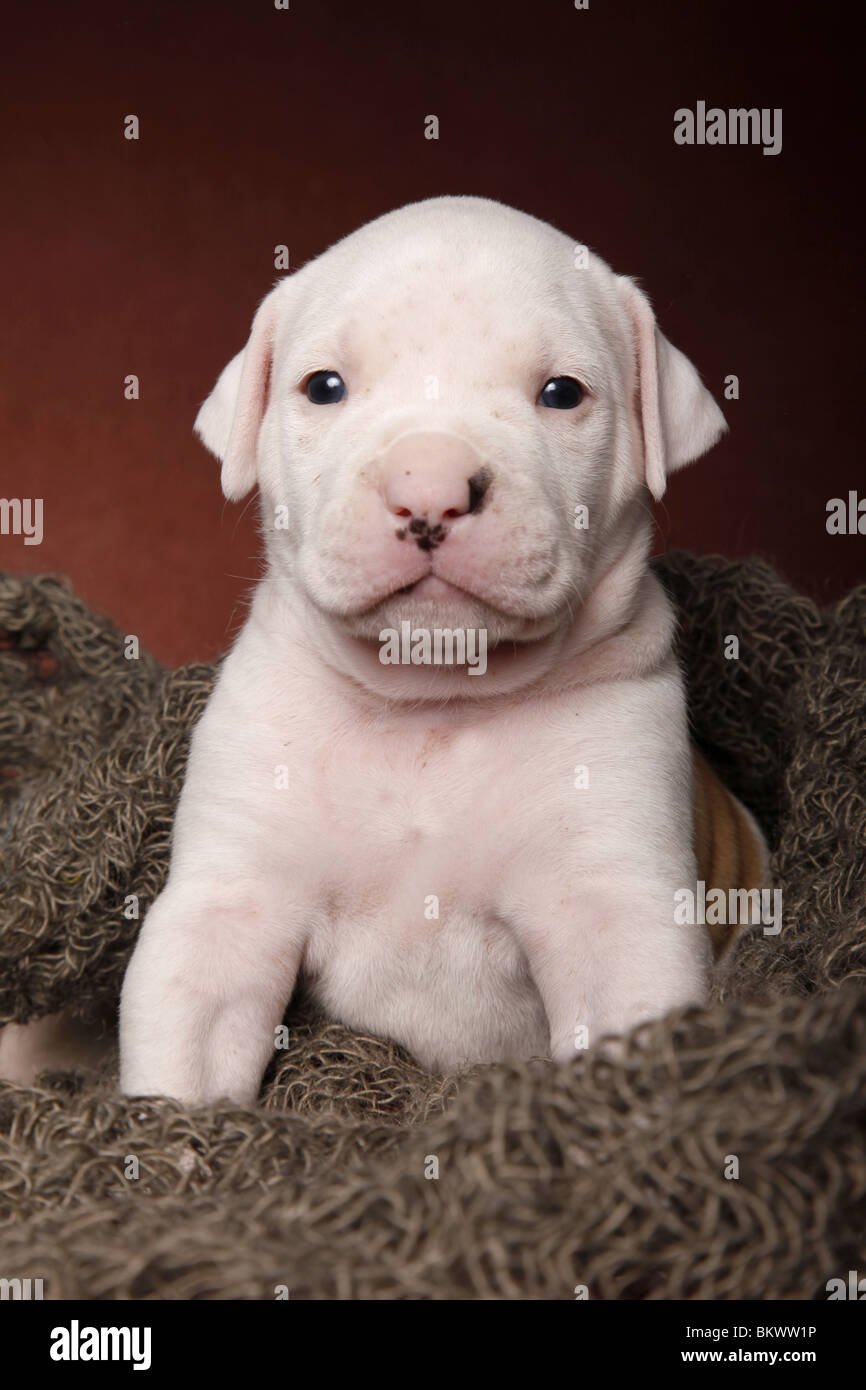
x=453 y=419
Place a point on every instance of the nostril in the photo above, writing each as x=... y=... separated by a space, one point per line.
x=479 y=484
x=452 y=512
x=401 y=511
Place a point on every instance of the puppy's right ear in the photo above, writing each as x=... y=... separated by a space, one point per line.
x=228 y=422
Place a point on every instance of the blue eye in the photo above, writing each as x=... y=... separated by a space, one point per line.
x=326 y=388
x=561 y=393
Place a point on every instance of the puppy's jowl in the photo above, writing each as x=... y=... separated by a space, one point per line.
x=331 y=797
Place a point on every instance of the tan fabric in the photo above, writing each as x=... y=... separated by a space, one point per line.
x=728 y=849
x=608 y=1173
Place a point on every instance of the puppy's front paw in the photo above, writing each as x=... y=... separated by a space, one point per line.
x=615 y=1017
x=212 y=972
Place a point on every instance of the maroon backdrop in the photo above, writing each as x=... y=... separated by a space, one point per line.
x=262 y=126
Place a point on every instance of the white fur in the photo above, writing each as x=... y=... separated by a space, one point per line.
x=405 y=783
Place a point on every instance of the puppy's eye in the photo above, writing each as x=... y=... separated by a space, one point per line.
x=326 y=388
x=561 y=393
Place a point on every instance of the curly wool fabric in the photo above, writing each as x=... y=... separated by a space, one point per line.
x=608 y=1173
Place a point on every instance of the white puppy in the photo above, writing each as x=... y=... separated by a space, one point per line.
x=452 y=424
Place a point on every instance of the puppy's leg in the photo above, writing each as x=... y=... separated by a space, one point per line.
x=207 y=986
x=609 y=959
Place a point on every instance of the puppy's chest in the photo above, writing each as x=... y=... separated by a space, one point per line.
x=411 y=835
x=387 y=813
x=379 y=817
x=403 y=845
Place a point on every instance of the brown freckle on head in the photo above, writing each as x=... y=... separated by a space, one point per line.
x=400 y=534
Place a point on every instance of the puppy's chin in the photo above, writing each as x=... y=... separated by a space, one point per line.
x=454 y=612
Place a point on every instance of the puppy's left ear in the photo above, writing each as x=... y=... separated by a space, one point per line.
x=679 y=417
x=228 y=422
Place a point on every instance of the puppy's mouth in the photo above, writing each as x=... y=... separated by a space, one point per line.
x=437 y=603
x=431 y=587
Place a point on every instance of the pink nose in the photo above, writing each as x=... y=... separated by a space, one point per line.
x=432 y=477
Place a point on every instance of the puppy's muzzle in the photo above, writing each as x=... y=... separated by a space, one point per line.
x=429 y=480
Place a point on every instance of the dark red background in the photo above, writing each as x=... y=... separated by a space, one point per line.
x=261 y=126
